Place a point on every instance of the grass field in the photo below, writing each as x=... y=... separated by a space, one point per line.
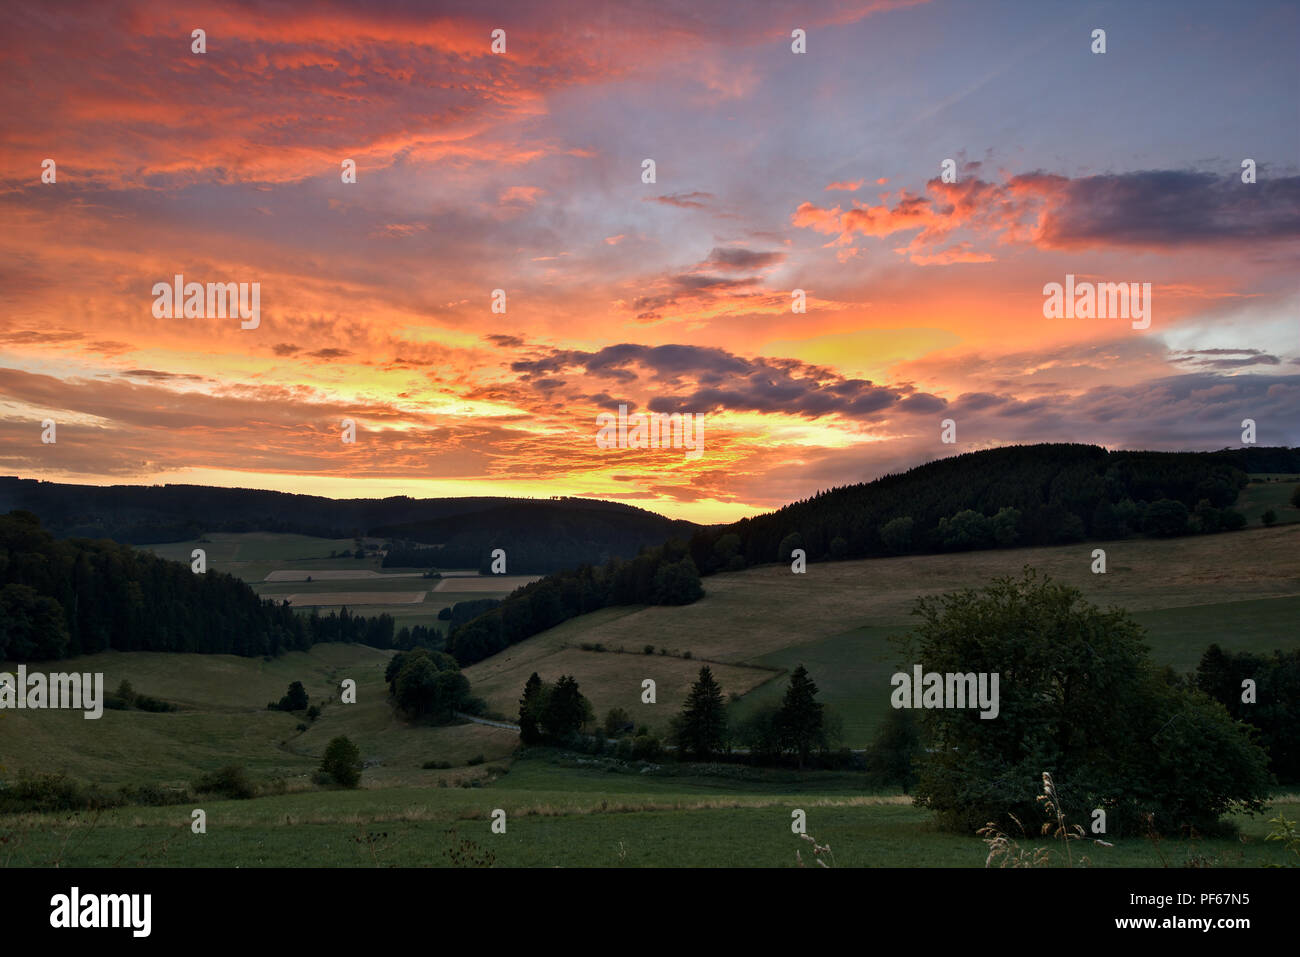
x=1258 y=497
x=568 y=816
x=223 y=720
x=1241 y=590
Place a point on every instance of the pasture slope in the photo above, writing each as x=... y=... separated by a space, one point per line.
x=1241 y=589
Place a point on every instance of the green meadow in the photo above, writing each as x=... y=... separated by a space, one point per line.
x=1239 y=589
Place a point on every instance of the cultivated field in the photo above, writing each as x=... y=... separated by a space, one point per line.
x=299 y=568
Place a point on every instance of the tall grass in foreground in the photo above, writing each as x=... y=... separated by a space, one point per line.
x=1008 y=852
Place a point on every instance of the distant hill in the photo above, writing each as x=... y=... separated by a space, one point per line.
x=1051 y=493
x=1048 y=494
x=539 y=535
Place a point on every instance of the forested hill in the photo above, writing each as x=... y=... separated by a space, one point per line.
x=998 y=498
x=562 y=532
x=60 y=598
x=1019 y=495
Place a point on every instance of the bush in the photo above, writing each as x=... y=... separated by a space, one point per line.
x=677 y=583
x=157 y=705
x=896 y=534
x=645 y=747
x=1165 y=518
x=617 y=720
x=1124 y=738
x=295 y=699
x=155 y=795
x=649 y=649
x=436 y=765
x=342 y=762
x=230 y=781
x=1268 y=518
x=52 y=792
x=313 y=712
x=477 y=759
x=1231 y=520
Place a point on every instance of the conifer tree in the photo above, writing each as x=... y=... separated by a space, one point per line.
x=701 y=728
x=800 y=720
x=529 y=707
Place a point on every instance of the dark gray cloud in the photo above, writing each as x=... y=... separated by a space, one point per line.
x=704 y=379
x=742 y=259
x=1167 y=208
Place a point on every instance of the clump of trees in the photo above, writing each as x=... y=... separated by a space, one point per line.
x=796 y=727
x=1270 y=703
x=1080 y=698
x=552 y=713
x=295 y=699
x=665 y=575
x=66 y=597
x=428 y=686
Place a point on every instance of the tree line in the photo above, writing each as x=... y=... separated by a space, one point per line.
x=65 y=597
x=1019 y=495
x=663 y=575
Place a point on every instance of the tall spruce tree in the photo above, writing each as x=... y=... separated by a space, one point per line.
x=800 y=720
x=701 y=728
x=565 y=710
x=529 y=708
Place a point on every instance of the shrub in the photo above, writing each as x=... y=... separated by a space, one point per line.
x=157 y=705
x=477 y=759
x=649 y=649
x=1165 y=518
x=313 y=712
x=155 y=795
x=896 y=534
x=1124 y=738
x=617 y=720
x=645 y=747
x=52 y=792
x=1268 y=518
x=436 y=765
x=342 y=762
x=230 y=781
x=677 y=583
x=295 y=699
x=301 y=726
x=1231 y=520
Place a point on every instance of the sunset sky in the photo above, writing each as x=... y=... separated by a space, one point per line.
x=523 y=171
